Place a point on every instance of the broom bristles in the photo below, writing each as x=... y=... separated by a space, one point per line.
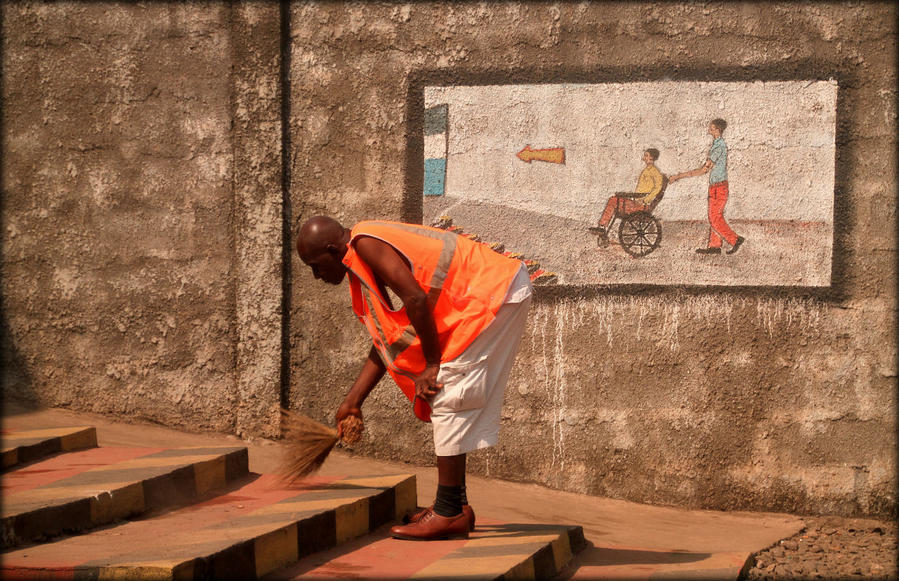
x=308 y=444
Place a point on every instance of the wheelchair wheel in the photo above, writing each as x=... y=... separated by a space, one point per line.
x=640 y=233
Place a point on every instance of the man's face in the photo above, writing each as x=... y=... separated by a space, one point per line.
x=647 y=159
x=325 y=266
x=713 y=131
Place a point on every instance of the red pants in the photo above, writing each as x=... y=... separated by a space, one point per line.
x=718 y=227
x=619 y=204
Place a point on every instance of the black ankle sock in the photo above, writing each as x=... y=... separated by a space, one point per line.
x=448 y=501
x=464 y=497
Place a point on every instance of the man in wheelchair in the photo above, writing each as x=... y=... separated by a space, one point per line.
x=649 y=186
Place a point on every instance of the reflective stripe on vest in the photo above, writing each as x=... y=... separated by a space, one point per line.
x=398 y=346
x=441 y=270
x=443 y=261
x=447 y=251
x=404 y=379
x=465 y=281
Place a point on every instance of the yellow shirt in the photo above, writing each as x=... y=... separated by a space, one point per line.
x=649 y=183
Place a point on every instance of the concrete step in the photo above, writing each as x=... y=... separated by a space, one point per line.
x=23 y=446
x=249 y=532
x=493 y=551
x=80 y=490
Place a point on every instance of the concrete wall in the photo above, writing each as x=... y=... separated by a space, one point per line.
x=137 y=230
x=749 y=398
x=142 y=211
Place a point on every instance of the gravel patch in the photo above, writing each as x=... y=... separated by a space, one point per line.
x=831 y=548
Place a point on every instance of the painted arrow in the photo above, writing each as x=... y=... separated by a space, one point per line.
x=552 y=155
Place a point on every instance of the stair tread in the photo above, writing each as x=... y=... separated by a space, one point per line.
x=80 y=490
x=493 y=551
x=21 y=446
x=62 y=466
x=86 y=474
x=261 y=517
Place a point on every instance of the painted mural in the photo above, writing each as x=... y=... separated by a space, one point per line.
x=667 y=183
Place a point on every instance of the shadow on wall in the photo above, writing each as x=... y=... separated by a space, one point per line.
x=17 y=382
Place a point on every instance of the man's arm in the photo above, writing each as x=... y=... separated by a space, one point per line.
x=703 y=169
x=391 y=268
x=372 y=371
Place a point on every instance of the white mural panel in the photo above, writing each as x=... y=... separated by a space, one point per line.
x=531 y=169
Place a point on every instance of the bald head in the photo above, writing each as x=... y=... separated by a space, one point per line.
x=322 y=244
x=317 y=233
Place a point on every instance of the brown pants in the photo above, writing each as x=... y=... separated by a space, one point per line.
x=620 y=204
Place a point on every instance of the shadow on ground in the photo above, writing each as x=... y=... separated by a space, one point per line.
x=593 y=557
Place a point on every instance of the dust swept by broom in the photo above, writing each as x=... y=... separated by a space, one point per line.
x=308 y=443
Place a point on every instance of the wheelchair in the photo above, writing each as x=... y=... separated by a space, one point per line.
x=639 y=233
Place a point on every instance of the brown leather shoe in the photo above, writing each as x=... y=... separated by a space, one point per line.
x=433 y=526
x=421 y=510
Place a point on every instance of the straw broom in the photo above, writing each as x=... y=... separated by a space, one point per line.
x=309 y=443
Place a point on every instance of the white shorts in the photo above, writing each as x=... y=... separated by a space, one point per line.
x=465 y=414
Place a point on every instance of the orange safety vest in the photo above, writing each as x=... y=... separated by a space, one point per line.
x=466 y=283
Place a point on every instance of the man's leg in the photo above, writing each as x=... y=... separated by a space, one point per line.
x=615 y=206
x=718 y=194
x=493 y=353
x=447 y=519
x=608 y=213
x=714 y=239
x=451 y=470
x=450 y=485
x=602 y=230
x=714 y=243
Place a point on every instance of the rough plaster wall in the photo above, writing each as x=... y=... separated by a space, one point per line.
x=741 y=399
x=118 y=284
x=140 y=227
x=258 y=214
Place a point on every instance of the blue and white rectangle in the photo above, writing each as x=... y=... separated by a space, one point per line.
x=435 y=150
x=435 y=176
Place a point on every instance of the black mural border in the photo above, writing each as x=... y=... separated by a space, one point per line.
x=802 y=70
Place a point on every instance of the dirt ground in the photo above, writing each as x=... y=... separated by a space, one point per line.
x=831 y=548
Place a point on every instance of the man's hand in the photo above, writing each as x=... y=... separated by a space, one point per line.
x=346 y=409
x=426 y=385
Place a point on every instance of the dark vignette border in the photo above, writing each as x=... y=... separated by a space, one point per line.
x=811 y=71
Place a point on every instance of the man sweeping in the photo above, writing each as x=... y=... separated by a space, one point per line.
x=449 y=345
